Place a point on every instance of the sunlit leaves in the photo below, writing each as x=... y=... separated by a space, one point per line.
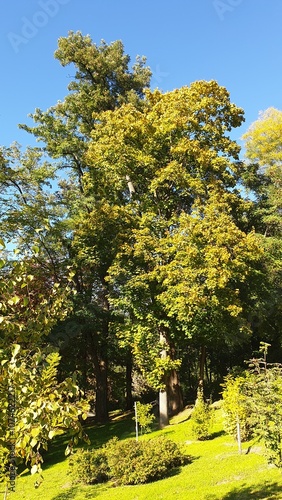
x=28 y=308
x=43 y=406
x=263 y=139
x=186 y=256
x=171 y=149
x=205 y=260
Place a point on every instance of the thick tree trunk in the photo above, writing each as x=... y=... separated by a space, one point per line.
x=163 y=406
x=163 y=401
x=175 y=398
x=128 y=388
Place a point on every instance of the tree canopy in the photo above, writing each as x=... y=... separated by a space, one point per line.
x=139 y=253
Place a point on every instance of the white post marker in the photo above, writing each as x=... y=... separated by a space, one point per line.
x=136 y=420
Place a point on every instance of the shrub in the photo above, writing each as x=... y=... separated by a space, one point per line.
x=136 y=462
x=127 y=462
x=123 y=459
x=89 y=466
x=201 y=417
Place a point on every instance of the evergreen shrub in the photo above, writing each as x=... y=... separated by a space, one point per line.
x=127 y=462
x=89 y=466
x=201 y=417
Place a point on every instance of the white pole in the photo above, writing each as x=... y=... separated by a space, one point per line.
x=136 y=420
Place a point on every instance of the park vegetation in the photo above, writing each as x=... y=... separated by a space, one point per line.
x=141 y=256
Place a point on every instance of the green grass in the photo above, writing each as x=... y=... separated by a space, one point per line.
x=216 y=472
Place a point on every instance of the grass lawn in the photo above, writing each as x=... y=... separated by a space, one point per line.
x=216 y=471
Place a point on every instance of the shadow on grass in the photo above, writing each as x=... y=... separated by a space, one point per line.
x=67 y=495
x=175 y=421
x=214 y=435
x=71 y=493
x=98 y=434
x=267 y=491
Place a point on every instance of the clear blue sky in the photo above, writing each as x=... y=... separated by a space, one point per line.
x=236 y=42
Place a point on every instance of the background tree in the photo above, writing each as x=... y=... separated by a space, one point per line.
x=29 y=310
x=253 y=398
x=263 y=139
x=103 y=80
x=263 y=151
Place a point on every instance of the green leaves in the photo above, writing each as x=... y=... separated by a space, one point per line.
x=263 y=146
x=203 y=260
x=35 y=406
x=254 y=399
x=171 y=149
x=43 y=406
x=15 y=351
x=186 y=258
x=26 y=313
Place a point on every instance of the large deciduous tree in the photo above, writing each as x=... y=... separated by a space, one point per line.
x=174 y=165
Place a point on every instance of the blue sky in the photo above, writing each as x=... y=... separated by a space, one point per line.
x=236 y=42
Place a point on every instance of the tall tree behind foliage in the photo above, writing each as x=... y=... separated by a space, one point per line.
x=103 y=80
x=263 y=145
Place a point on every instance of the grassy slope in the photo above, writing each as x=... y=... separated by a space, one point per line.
x=217 y=471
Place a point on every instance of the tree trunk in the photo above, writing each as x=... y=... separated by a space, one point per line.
x=163 y=404
x=101 y=359
x=128 y=395
x=175 y=398
x=101 y=403
x=202 y=366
